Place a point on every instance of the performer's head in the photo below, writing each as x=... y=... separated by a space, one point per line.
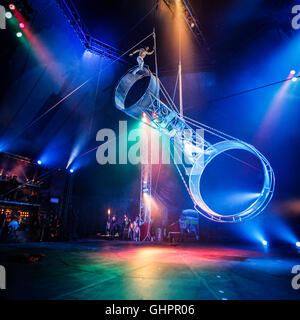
x=147 y=48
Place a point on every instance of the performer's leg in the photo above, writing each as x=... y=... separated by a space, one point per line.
x=141 y=65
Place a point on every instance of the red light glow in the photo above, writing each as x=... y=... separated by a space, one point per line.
x=12 y=7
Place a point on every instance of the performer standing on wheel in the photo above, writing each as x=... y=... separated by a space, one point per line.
x=143 y=52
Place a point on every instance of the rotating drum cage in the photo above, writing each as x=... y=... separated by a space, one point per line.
x=169 y=122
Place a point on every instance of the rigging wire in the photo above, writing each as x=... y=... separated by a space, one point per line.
x=251 y=90
x=55 y=105
x=169 y=100
x=227 y=154
x=81 y=85
x=139 y=22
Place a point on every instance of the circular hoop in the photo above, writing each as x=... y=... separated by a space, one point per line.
x=198 y=169
x=126 y=83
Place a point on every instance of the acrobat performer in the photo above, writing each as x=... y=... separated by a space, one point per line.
x=143 y=52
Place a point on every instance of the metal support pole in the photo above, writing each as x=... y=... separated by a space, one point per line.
x=180 y=70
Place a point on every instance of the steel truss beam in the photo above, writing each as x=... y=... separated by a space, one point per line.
x=89 y=42
x=190 y=20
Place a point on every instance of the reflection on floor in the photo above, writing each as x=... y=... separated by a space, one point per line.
x=123 y=270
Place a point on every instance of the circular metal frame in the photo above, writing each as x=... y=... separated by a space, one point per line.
x=126 y=83
x=198 y=168
x=135 y=110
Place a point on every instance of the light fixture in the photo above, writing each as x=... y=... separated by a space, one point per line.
x=8 y=15
x=264 y=242
x=21 y=25
x=71 y=170
x=39 y=162
x=298 y=244
x=19 y=34
x=294 y=79
x=11 y=6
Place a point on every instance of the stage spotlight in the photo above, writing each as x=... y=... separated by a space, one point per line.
x=39 y=162
x=19 y=34
x=8 y=15
x=71 y=170
x=12 y=7
x=264 y=242
x=298 y=244
x=294 y=79
x=21 y=25
x=144 y=117
x=293 y=72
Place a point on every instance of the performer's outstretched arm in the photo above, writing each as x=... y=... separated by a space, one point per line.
x=134 y=52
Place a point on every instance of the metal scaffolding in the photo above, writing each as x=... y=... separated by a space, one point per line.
x=89 y=42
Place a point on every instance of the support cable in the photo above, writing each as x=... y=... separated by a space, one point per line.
x=229 y=155
x=253 y=89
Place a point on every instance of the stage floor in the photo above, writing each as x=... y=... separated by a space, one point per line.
x=124 y=270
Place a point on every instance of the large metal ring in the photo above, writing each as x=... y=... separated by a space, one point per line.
x=126 y=83
x=198 y=168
